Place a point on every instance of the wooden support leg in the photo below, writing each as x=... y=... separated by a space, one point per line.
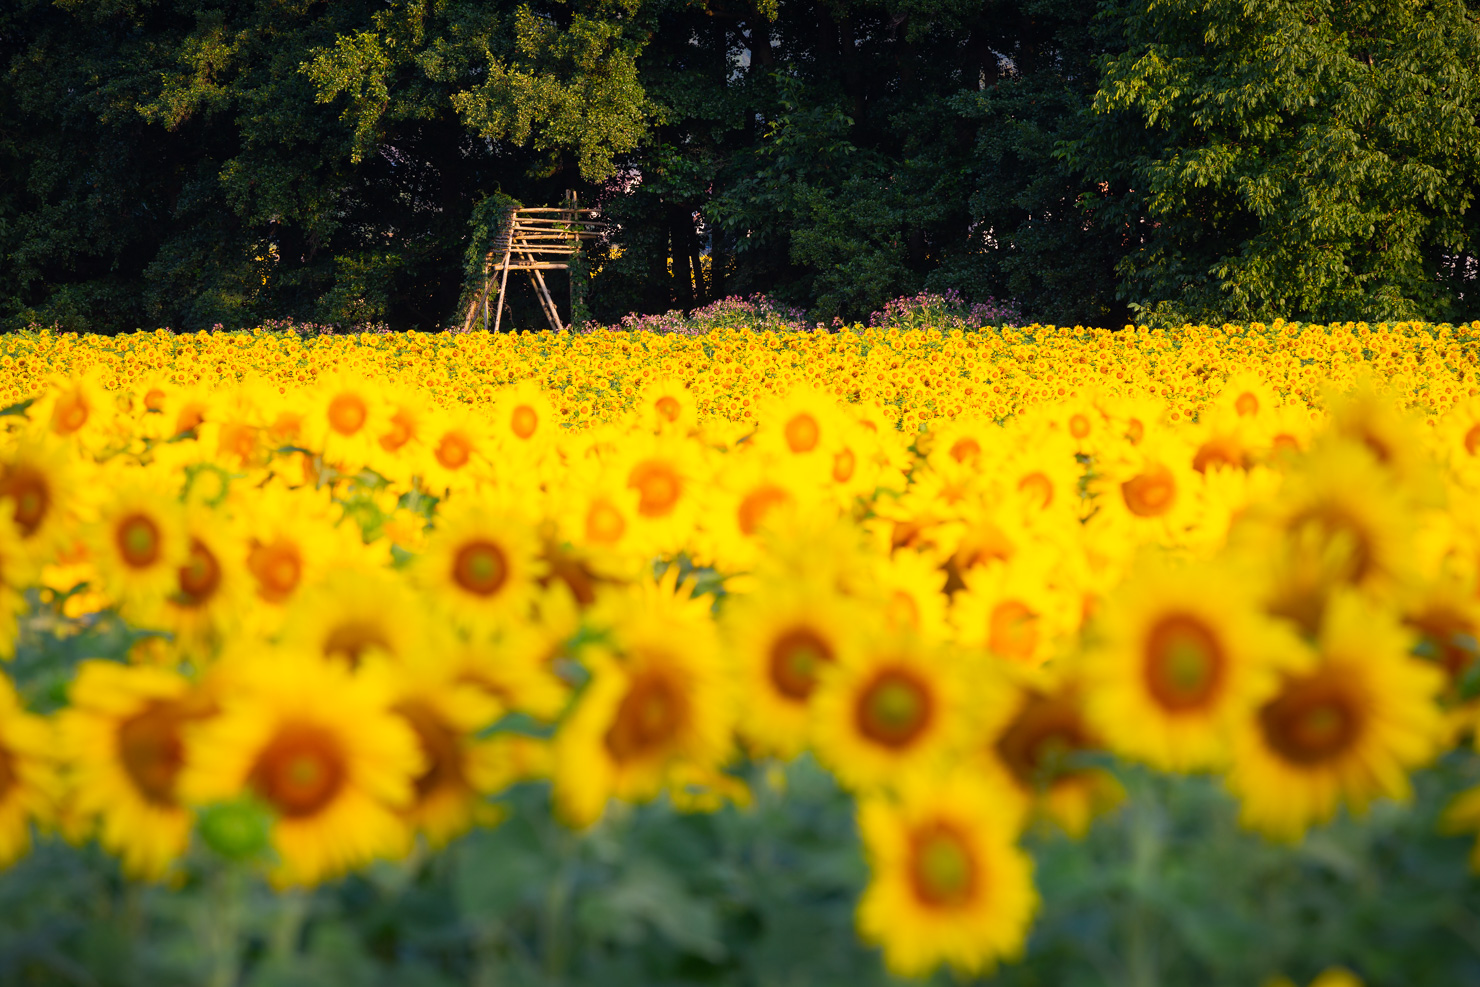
x=551 y=312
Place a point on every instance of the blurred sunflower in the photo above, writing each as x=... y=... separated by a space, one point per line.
x=459 y=770
x=138 y=541
x=658 y=707
x=335 y=775
x=949 y=885
x=1182 y=654
x=122 y=738
x=480 y=564
x=1347 y=727
x=28 y=780
x=896 y=706
x=780 y=638
x=357 y=611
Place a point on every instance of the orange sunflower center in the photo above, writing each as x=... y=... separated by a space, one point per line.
x=844 y=463
x=1184 y=663
x=895 y=708
x=189 y=418
x=604 y=523
x=1039 y=487
x=1135 y=431
x=1218 y=451
x=154 y=399
x=277 y=566
x=1472 y=440
x=658 y=487
x=796 y=657
x=1079 y=426
x=238 y=440
x=1314 y=720
x=1246 y=404
x=942 y=868
x=454 y=451
x=480 y=567
x=352 y=638
x=524 y=421
x=1040 y=736
x=1012 y=630
x=439 y=746
x=137 y=538
x=802 y=433
x=967 y=449
x=347 y=413
x=668 y=407
x=200 y=576
x=32 y=496
x=757 y=504
x=648 y=719
x=70 y=413
x=402 y=428
x=1150 y=494
x=300 y=771
x=151 y=751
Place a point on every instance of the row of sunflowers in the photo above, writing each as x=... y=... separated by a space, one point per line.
x=372 y=583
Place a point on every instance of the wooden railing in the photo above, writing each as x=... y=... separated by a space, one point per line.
x=533 y=239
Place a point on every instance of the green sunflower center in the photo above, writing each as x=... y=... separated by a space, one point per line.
x=138 y=541
x=1184 y=663
x=942 y=869
x=480 y=567
x=894 y=709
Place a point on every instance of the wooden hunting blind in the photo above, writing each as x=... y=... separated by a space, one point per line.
x=533 y=239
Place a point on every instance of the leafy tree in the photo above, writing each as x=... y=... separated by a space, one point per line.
x=1309 y=159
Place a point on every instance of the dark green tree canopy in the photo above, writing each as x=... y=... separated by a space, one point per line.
x=225 y=162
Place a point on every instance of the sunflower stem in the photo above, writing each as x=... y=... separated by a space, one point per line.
x=1146 y=847
x=292 y=906
x=223 y=927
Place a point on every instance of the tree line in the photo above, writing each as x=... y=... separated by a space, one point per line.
x=225 y=162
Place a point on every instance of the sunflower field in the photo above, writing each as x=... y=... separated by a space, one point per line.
x=1024 y=655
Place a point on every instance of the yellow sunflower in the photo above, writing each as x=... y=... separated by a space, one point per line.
x=1338 y=521
x=1012 y=610
x=949 y=884
x=1032 y=738
x=779 y=638
x=77 y=408
x=1182 y=654
x=335 y=775
x=1346 y=728
x=213 y=588
x=138 y=541
x=897 y=705
x=448 y=795
x=458 y=450
x=356 y=611
x=345 y=419
x=122 y=737
x=665 y=404
x=524 y=423
x=12 y=584
x=292 y=541
x=40 y=482
x=659 y=706
x=28 y=781
x=669 y=475
x=480 y=564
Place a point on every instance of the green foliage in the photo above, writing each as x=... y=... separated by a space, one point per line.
x=167 y=164
x=1293 y=158
x=1167 y=890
